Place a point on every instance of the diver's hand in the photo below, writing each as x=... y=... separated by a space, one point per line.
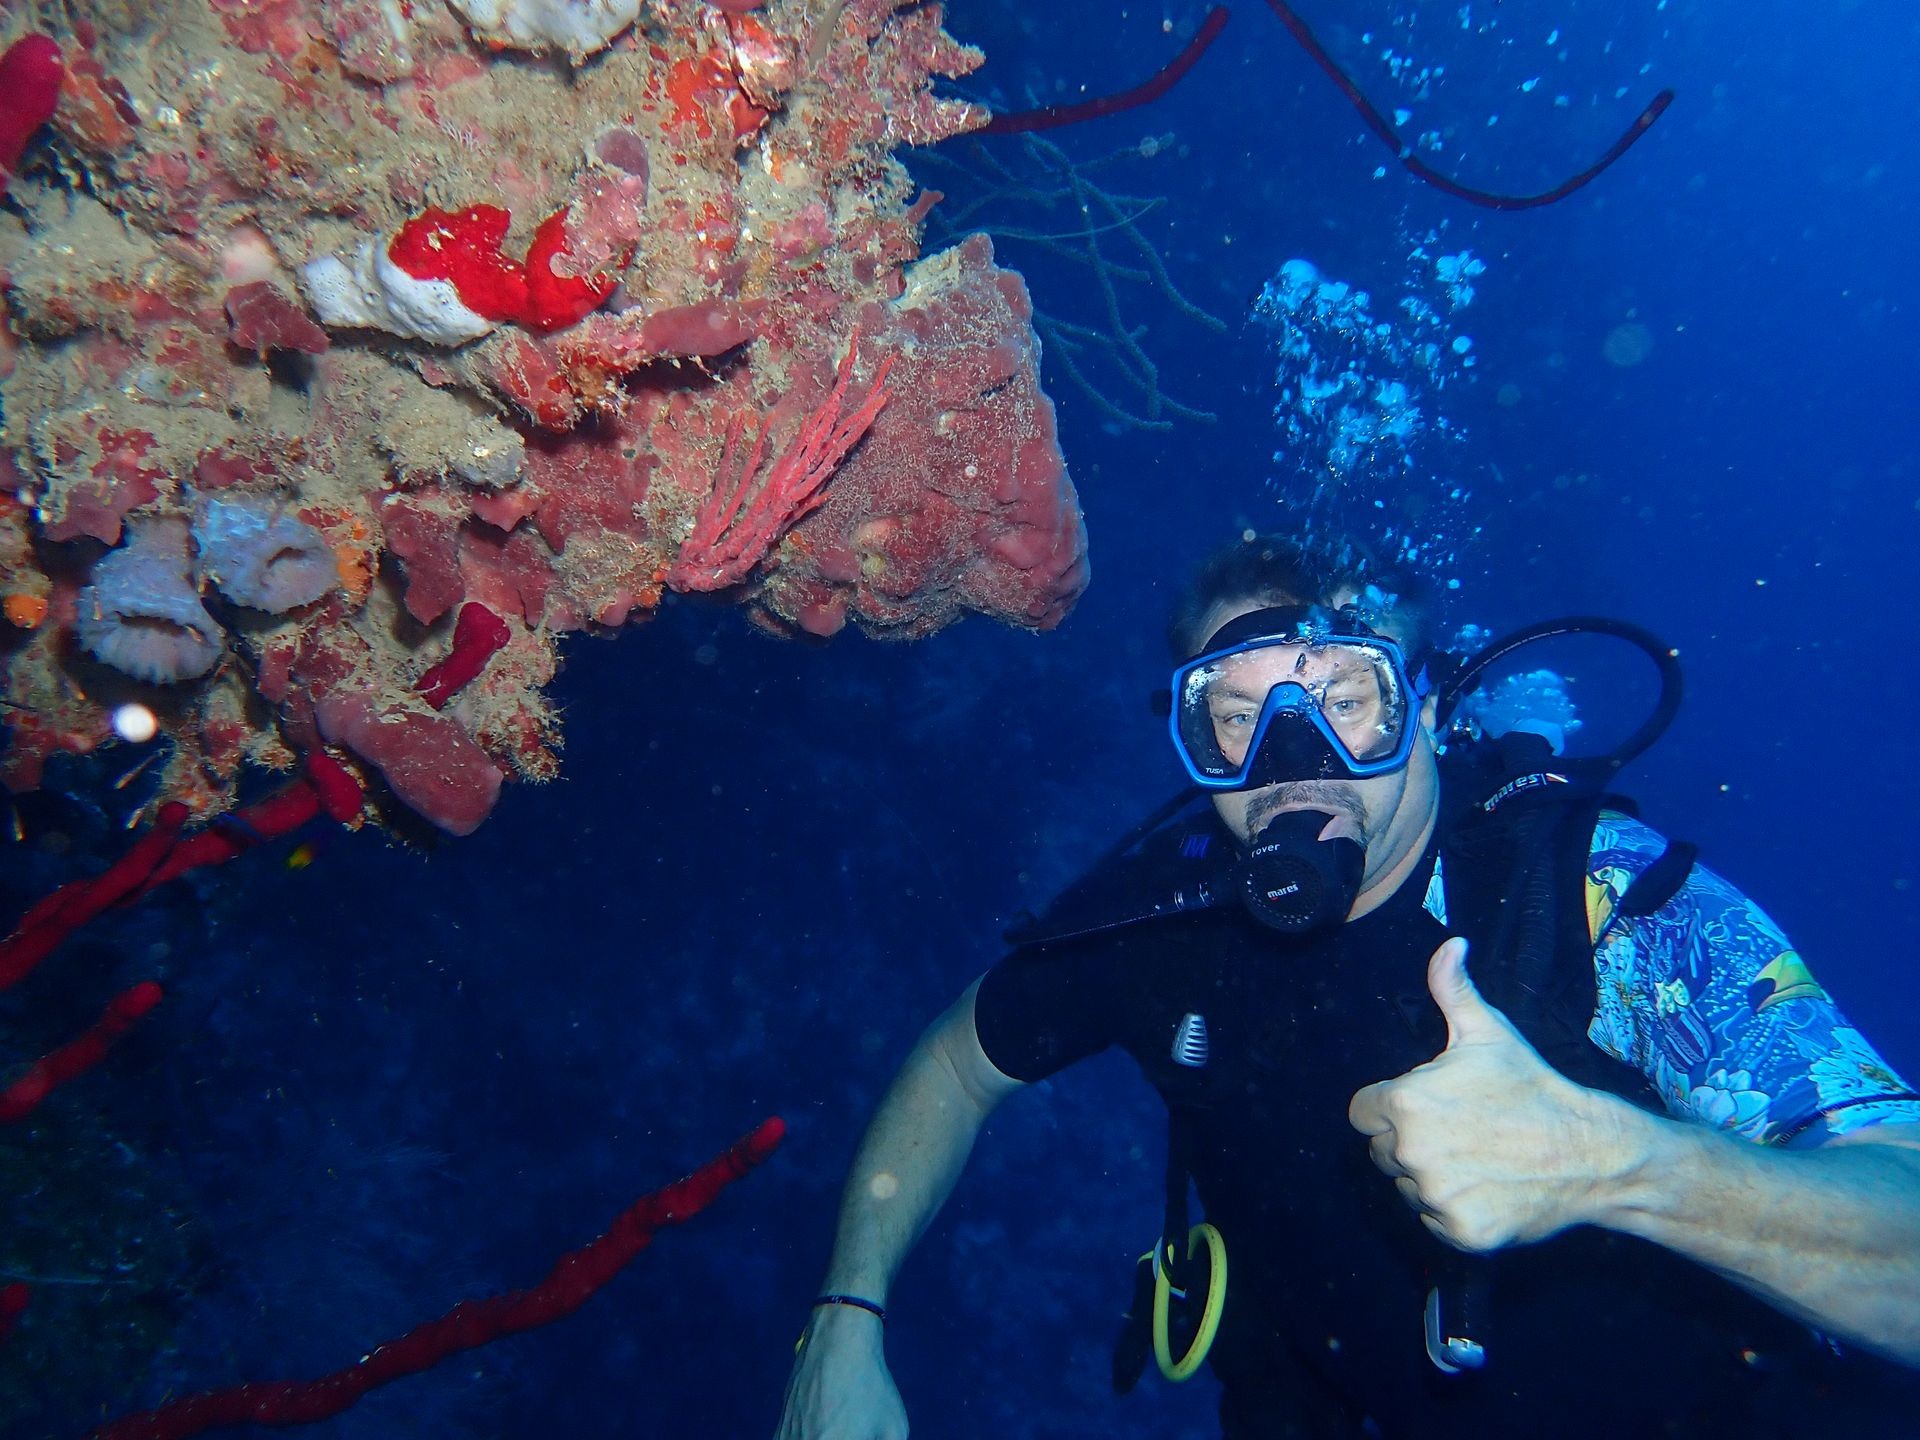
x=1490 y=1144
x=840 y=1388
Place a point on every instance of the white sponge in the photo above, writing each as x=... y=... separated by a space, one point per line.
x=369 y=291
x=579 y=27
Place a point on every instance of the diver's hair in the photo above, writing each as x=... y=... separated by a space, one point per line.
x=1281 y=570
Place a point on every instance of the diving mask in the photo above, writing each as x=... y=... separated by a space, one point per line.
x=1294 y=693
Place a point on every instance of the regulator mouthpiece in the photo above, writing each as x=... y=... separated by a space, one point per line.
x=1294 y=881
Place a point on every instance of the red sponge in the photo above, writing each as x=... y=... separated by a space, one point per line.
x=462 y=247
x=30 y=76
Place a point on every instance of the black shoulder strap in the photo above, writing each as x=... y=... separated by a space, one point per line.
x=1660 y=881
x=1512 y=875
x=1507 y=890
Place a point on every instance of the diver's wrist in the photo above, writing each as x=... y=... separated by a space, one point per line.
x=846 y=1322
x=853 y=1301
x=1634 y=1156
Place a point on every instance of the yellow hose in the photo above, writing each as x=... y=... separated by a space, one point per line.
x=1196 y=1356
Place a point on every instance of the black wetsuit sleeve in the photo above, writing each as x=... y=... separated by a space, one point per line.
x=1044 y=1007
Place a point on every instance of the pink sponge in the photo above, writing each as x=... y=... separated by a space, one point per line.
x=428 y=760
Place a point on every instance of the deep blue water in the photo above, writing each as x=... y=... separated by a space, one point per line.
x=395 y=1079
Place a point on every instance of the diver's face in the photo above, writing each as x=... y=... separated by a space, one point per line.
x=1362 y=810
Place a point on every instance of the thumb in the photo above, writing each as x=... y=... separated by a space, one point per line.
x=1470 y=1019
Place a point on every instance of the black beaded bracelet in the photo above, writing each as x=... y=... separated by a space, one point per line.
x=853 y=1300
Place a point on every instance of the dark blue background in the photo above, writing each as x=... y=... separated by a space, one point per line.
x=393 y=1080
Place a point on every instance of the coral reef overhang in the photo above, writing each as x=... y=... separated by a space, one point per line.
x=490 y=319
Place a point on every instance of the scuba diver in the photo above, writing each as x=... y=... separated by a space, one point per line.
x=1506 y=1117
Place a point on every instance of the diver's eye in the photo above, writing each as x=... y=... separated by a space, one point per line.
x=1344 y=708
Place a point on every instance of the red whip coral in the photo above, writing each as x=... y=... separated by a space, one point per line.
x=1051 y=117
x=573 y=1280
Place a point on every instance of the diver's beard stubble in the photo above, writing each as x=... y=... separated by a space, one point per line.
x=1328 y=795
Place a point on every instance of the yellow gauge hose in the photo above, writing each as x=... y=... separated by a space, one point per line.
x=1196 y=1356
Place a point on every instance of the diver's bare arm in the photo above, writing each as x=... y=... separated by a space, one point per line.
x=914 y=1151
x=1830 y=1235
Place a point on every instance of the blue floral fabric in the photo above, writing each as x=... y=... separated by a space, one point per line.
x=1709 y=1001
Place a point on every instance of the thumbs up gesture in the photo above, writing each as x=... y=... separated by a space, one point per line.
x=1490 y=1144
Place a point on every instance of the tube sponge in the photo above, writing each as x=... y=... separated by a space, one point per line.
x=142 y=614
x=261 y=556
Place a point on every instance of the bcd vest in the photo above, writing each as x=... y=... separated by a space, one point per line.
x=1590 y=1333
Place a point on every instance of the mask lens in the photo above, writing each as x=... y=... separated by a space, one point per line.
x=1344 y=698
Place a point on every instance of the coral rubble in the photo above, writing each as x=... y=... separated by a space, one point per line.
x=330 y=321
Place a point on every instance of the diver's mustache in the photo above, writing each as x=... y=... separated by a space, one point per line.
x=1307 y=794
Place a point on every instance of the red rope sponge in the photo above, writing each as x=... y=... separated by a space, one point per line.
x=336 y=786
x=477 y=634
x=13 y=1304
x=235 y=833
x=58 y=915
x=164 y=853
x=574 y=1278
x=78 y=1055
